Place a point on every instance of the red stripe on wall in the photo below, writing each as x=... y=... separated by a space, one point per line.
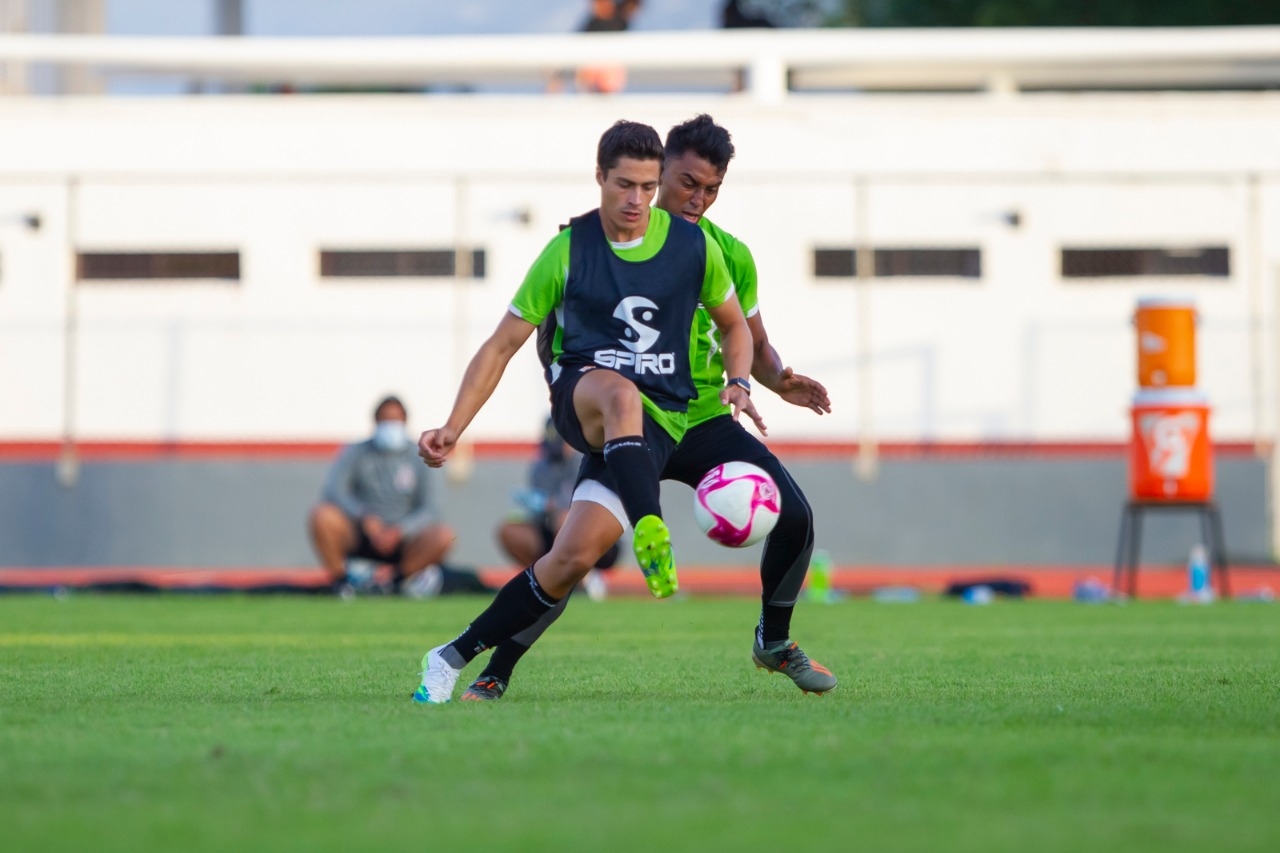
x=49 y=451
x=1044 y=581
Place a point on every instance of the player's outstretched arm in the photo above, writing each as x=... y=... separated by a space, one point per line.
x=478 y=384
x=767 y=369
x=735 y=345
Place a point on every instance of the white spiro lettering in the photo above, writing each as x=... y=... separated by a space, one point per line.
x=644 y=362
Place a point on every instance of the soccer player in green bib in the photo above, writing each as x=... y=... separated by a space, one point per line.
x=697 y=156
x=613 y=298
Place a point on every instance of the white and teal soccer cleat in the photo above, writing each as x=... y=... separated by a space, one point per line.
x=438 y=679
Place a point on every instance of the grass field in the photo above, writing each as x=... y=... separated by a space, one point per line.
x=220 y=723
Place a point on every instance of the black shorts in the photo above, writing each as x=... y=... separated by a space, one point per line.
x=364 y=549
x=712 y=443
x=565 y=418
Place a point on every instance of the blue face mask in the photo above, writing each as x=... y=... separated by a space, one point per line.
x=390 y=435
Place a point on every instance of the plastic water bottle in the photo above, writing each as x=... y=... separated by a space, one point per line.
x=1198 y=586
x=819 y=581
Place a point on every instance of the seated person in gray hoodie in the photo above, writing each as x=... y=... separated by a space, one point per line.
x=375 y=509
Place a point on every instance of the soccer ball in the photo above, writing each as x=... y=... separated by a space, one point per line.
x=737 y=504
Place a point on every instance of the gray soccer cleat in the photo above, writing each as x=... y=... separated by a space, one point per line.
x=790 y=660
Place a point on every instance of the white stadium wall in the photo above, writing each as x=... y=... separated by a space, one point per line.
x=1017 y=353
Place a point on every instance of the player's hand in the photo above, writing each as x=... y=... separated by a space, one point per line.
x=740 y=400
x=435 y=445
x=799 y=390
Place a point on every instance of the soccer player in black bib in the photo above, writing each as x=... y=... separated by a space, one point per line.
x=697 y=156
x=613 y=297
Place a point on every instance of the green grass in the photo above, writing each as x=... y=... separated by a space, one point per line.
x=220 y=723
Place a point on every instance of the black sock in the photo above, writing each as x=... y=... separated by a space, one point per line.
x=507 y=654
x=775 y=625
x=782 y=572
x=785 y=560
x=519 y=604
x=502 y=662
x=634 y=477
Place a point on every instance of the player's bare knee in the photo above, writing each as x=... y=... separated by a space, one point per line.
x=570 y=563
x=328 y=519
x=442 y=535
x=620 y=401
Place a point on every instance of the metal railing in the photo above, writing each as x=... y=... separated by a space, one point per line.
x=765 y=64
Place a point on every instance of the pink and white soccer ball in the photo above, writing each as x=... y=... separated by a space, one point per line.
x=737 y=504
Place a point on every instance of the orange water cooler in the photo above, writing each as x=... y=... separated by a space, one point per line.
x=1170 y=453
x=1166 y=338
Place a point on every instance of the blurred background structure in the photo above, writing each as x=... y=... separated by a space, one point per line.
x=228 y=226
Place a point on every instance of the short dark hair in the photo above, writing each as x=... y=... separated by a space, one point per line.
x=389 y=400
x=703 y=137
x=628 y=139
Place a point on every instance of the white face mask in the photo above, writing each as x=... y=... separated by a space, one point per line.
x=390 y=435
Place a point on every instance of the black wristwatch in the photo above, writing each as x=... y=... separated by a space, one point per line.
x=741 y=383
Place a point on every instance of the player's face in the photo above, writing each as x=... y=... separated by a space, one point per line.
x=625 y=195
x=689 y=186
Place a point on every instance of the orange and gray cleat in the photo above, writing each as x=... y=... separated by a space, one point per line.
x=790 y=660
x=486 y=688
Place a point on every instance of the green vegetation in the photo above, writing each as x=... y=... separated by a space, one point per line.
x=218 y=723
x=1056 y=13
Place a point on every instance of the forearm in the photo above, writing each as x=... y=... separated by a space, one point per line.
x=478 y=384
x=766 y=365
x=737 y=349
